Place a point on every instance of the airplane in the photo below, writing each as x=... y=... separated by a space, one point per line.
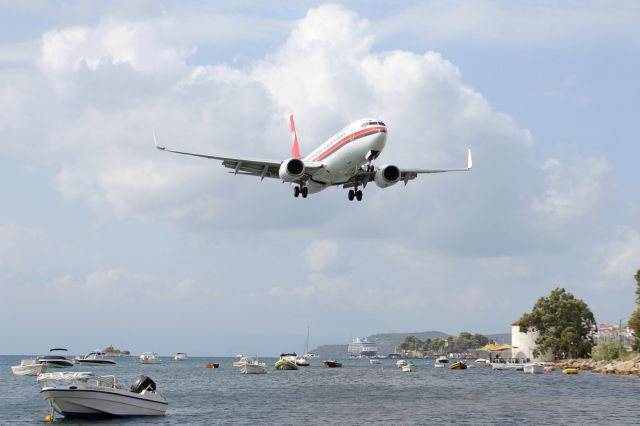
x=345 y=159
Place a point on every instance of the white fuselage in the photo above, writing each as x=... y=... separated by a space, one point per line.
x=346 y=152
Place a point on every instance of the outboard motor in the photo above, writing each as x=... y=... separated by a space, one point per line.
x=142 y=383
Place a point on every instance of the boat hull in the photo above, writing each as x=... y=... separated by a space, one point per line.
x=332 y=364
x=285 y=364
x=28 y=369
x=97 y=362
x=253 y=369
x=570 y=370
x=408 y=368
x=99 y=403
x=459 y=365
x=533 y=368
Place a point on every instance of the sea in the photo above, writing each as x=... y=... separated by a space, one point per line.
x=359 y=393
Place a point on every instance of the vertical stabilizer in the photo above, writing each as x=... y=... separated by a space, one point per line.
x=295 y=149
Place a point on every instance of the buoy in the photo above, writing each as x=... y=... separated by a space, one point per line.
x=48 y=418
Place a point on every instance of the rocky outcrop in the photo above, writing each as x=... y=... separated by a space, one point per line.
x=627 y=367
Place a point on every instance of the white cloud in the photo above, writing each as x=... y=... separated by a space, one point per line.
x=619 y=259
x=572 y=191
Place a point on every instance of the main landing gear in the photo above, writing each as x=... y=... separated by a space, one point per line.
x=357 y=194
x=297 y=191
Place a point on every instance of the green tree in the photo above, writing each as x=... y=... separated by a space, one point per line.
x=563 y=323
x=634 y=320
x=411 y=343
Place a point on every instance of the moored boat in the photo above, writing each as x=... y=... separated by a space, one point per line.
x=408 y=367
x=85 y=395
x=252 y=365
x=332 y=363
x=149 y=358
x=533 y=368
x=401 y=363
x=374 y=361
x=28 y=367
x=301 y=361
x=180 y=356
x=287 y=361
x=441 y=361
x=458 y=365
x=212 y=365
x=94 y=358
x=55 y=361
x=569 y=370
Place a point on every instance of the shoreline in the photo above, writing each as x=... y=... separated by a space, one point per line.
x=629 y=367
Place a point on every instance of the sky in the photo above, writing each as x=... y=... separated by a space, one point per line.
x=106 y=240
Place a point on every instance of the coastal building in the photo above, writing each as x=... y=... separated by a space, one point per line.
x=361 y=347
x=524 y=344
x=614 y=332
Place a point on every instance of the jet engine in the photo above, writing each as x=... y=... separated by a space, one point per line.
x=386 y=176
x=291 y=169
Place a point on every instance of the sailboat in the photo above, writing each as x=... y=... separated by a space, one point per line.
x=303 y=361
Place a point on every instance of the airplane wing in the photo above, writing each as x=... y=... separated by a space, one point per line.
x=362 y=177
x=242 y=166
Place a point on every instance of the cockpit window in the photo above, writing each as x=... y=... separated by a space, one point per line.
x=381 y=123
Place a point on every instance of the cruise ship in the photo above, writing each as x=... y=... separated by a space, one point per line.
x=360 y=347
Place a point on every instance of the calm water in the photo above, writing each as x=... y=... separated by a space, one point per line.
x=358 y=393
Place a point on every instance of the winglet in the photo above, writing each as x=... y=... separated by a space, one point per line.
x=156 y=141
x=295 y=149
x=469 y=160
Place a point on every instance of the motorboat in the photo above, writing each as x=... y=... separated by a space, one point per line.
x=252 y=365
x=55 y=361
x=441 y=361
x=86 y=395
x=94 y=358
x=569 y=370
x=401 y=363
x=409 y=367
x=374 y=361
x=482 y=361
x=509 y=363
x=458 y=365
x=332 y=363
x=287 y=361
x=149 y=358
x=212 y=365
x=301 y=361
x=29 y=367
x=180 y=356
x=534 y=368
x=311 y=355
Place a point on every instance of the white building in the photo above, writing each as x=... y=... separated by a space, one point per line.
x=525 y=343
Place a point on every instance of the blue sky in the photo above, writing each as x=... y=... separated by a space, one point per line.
x=105 y=240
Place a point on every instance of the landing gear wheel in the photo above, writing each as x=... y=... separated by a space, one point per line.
x=296 y=191
x=304 y=191
x=351 y=194
x=359 y=195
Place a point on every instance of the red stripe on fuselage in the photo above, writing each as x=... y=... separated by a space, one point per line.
x=351 y=137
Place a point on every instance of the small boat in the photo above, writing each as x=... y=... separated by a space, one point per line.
x=509 y=363
x=409 y=367
x=482 y=361
x=85 y=395
x=301 y=361
x=28 y=367
x=94 y=358
x=533 y=368
x=374 y=361
x=252 y=365
x=332 y=363
x=180 y=356
x=212 y=365
x=311 y=355
x=441 y=361
x=287 y=362
x=55 y=361
x=458 y=365
x=569 y=370
x=149 y=358
x=401 y=363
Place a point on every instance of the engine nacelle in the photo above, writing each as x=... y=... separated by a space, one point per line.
x=291 y=169
x=386 y=176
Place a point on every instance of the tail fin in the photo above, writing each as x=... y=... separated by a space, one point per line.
x=295 y=149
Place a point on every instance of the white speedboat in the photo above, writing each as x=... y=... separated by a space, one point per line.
x=94 y=358
x=28 y=367
x=180 y=356
x=441 y=362
x=252 y=365
x=55 y=361
x=301 y=361
x=149 y=358
x=374 y=361
x=409 y=367
x=311 y=355
x=533 y=368
x=401 y=363
x=85 y=395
